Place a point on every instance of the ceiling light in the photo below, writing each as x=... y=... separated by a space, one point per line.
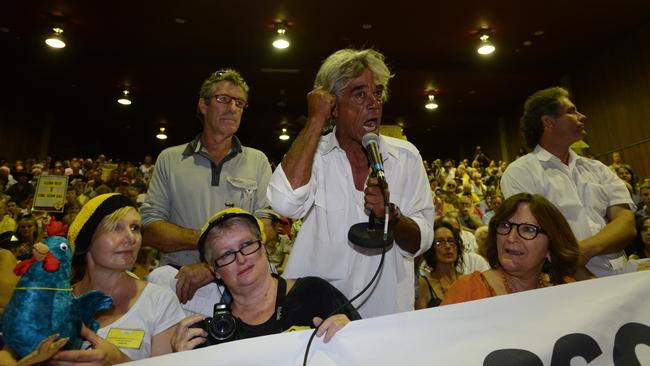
x=431 y=103
x=485 y=47
x=284 y=136
x=124 y=98
x=56 y=39
x=162 y=135
x=281 y=41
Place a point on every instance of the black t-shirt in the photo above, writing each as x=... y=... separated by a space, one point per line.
x=309 y=297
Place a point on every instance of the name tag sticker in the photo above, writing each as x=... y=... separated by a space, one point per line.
x=126 y=338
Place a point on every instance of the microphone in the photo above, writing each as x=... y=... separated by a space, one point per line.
x=365 y=234
x=370 y=142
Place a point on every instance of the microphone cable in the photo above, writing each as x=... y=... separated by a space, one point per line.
x=349 y=302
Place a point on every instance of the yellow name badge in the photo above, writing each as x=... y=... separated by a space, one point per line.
x=126 y=338
x=296 y=328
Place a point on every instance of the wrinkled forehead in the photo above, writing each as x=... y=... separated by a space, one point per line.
x=366 y=79
x=228 y=87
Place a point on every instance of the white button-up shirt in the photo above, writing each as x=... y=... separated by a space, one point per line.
x=330 y=204
x=581 y=190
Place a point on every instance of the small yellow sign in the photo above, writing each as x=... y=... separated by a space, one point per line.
x=126 y=338
x=50 y=193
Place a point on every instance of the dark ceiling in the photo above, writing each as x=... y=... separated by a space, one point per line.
x=164 y=49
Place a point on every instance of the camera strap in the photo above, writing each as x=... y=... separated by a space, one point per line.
x=279 y=298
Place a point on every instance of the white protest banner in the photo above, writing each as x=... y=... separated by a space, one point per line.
x=604 y=321
x=50 y=193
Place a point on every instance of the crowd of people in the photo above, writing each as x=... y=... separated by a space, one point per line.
x=272 y=246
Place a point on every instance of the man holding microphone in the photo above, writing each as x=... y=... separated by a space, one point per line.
x=326 y=181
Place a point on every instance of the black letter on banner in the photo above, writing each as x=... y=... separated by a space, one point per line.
x=627 y=338
x=574 y=345
x=512 y=357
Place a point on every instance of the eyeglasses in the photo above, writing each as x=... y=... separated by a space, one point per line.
x=247 y=248
x=450 y=241
x=525 y=231
x=225 y=99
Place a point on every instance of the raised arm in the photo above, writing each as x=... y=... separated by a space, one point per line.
x=298 y=161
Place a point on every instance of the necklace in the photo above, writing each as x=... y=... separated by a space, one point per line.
x=540 y=282
x=445 y=285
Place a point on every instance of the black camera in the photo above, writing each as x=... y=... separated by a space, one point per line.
x=220 y=328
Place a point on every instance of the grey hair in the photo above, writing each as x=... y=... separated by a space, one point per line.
x=224 y=228
x=346 y=64
x=207 y=88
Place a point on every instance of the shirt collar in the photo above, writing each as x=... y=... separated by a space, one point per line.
x=544 y=155
x=195 y=146
x=385 y=149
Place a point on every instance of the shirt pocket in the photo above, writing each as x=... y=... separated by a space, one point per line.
x=243 y=192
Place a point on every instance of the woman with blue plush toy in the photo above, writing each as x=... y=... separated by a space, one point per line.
x=107 y=236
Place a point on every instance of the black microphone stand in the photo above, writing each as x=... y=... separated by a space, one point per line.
x=374 y=234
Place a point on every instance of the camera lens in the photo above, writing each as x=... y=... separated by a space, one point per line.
x=222 y=327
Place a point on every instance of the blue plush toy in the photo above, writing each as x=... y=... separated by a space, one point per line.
x=43 y=304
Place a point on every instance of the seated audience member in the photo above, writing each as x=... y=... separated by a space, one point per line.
x=627 y=175
x=4 y=182
x=231 y=241
x=28 y=233
x=467 y=237
x=278 y=246
x=146 y=168
x=20 y=191
x=494 y=202
x=7 y=223
x=105 y=238
x=481 y=235
x=13 y=209
x=445 y=260
x=471 y=261
x=616 y=161
x=644 y=205
x=641 y=246
x=530 y=245
x=451 y=185
x=469 y=216
x=478 y=187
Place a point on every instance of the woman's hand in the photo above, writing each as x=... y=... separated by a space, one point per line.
x=330 y=326
x=185 y=337
x=103 y=353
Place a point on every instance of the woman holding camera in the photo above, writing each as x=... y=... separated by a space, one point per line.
x=106 y=237
x=262 y=303
x=530 y=245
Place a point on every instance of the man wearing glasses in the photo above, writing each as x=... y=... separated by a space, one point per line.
x=591 y=197
x=325 y=179
x=194 y=180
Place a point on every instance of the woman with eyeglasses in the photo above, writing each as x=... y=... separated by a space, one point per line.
x=530 y=245
x=444 y=258
x=232 y=242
